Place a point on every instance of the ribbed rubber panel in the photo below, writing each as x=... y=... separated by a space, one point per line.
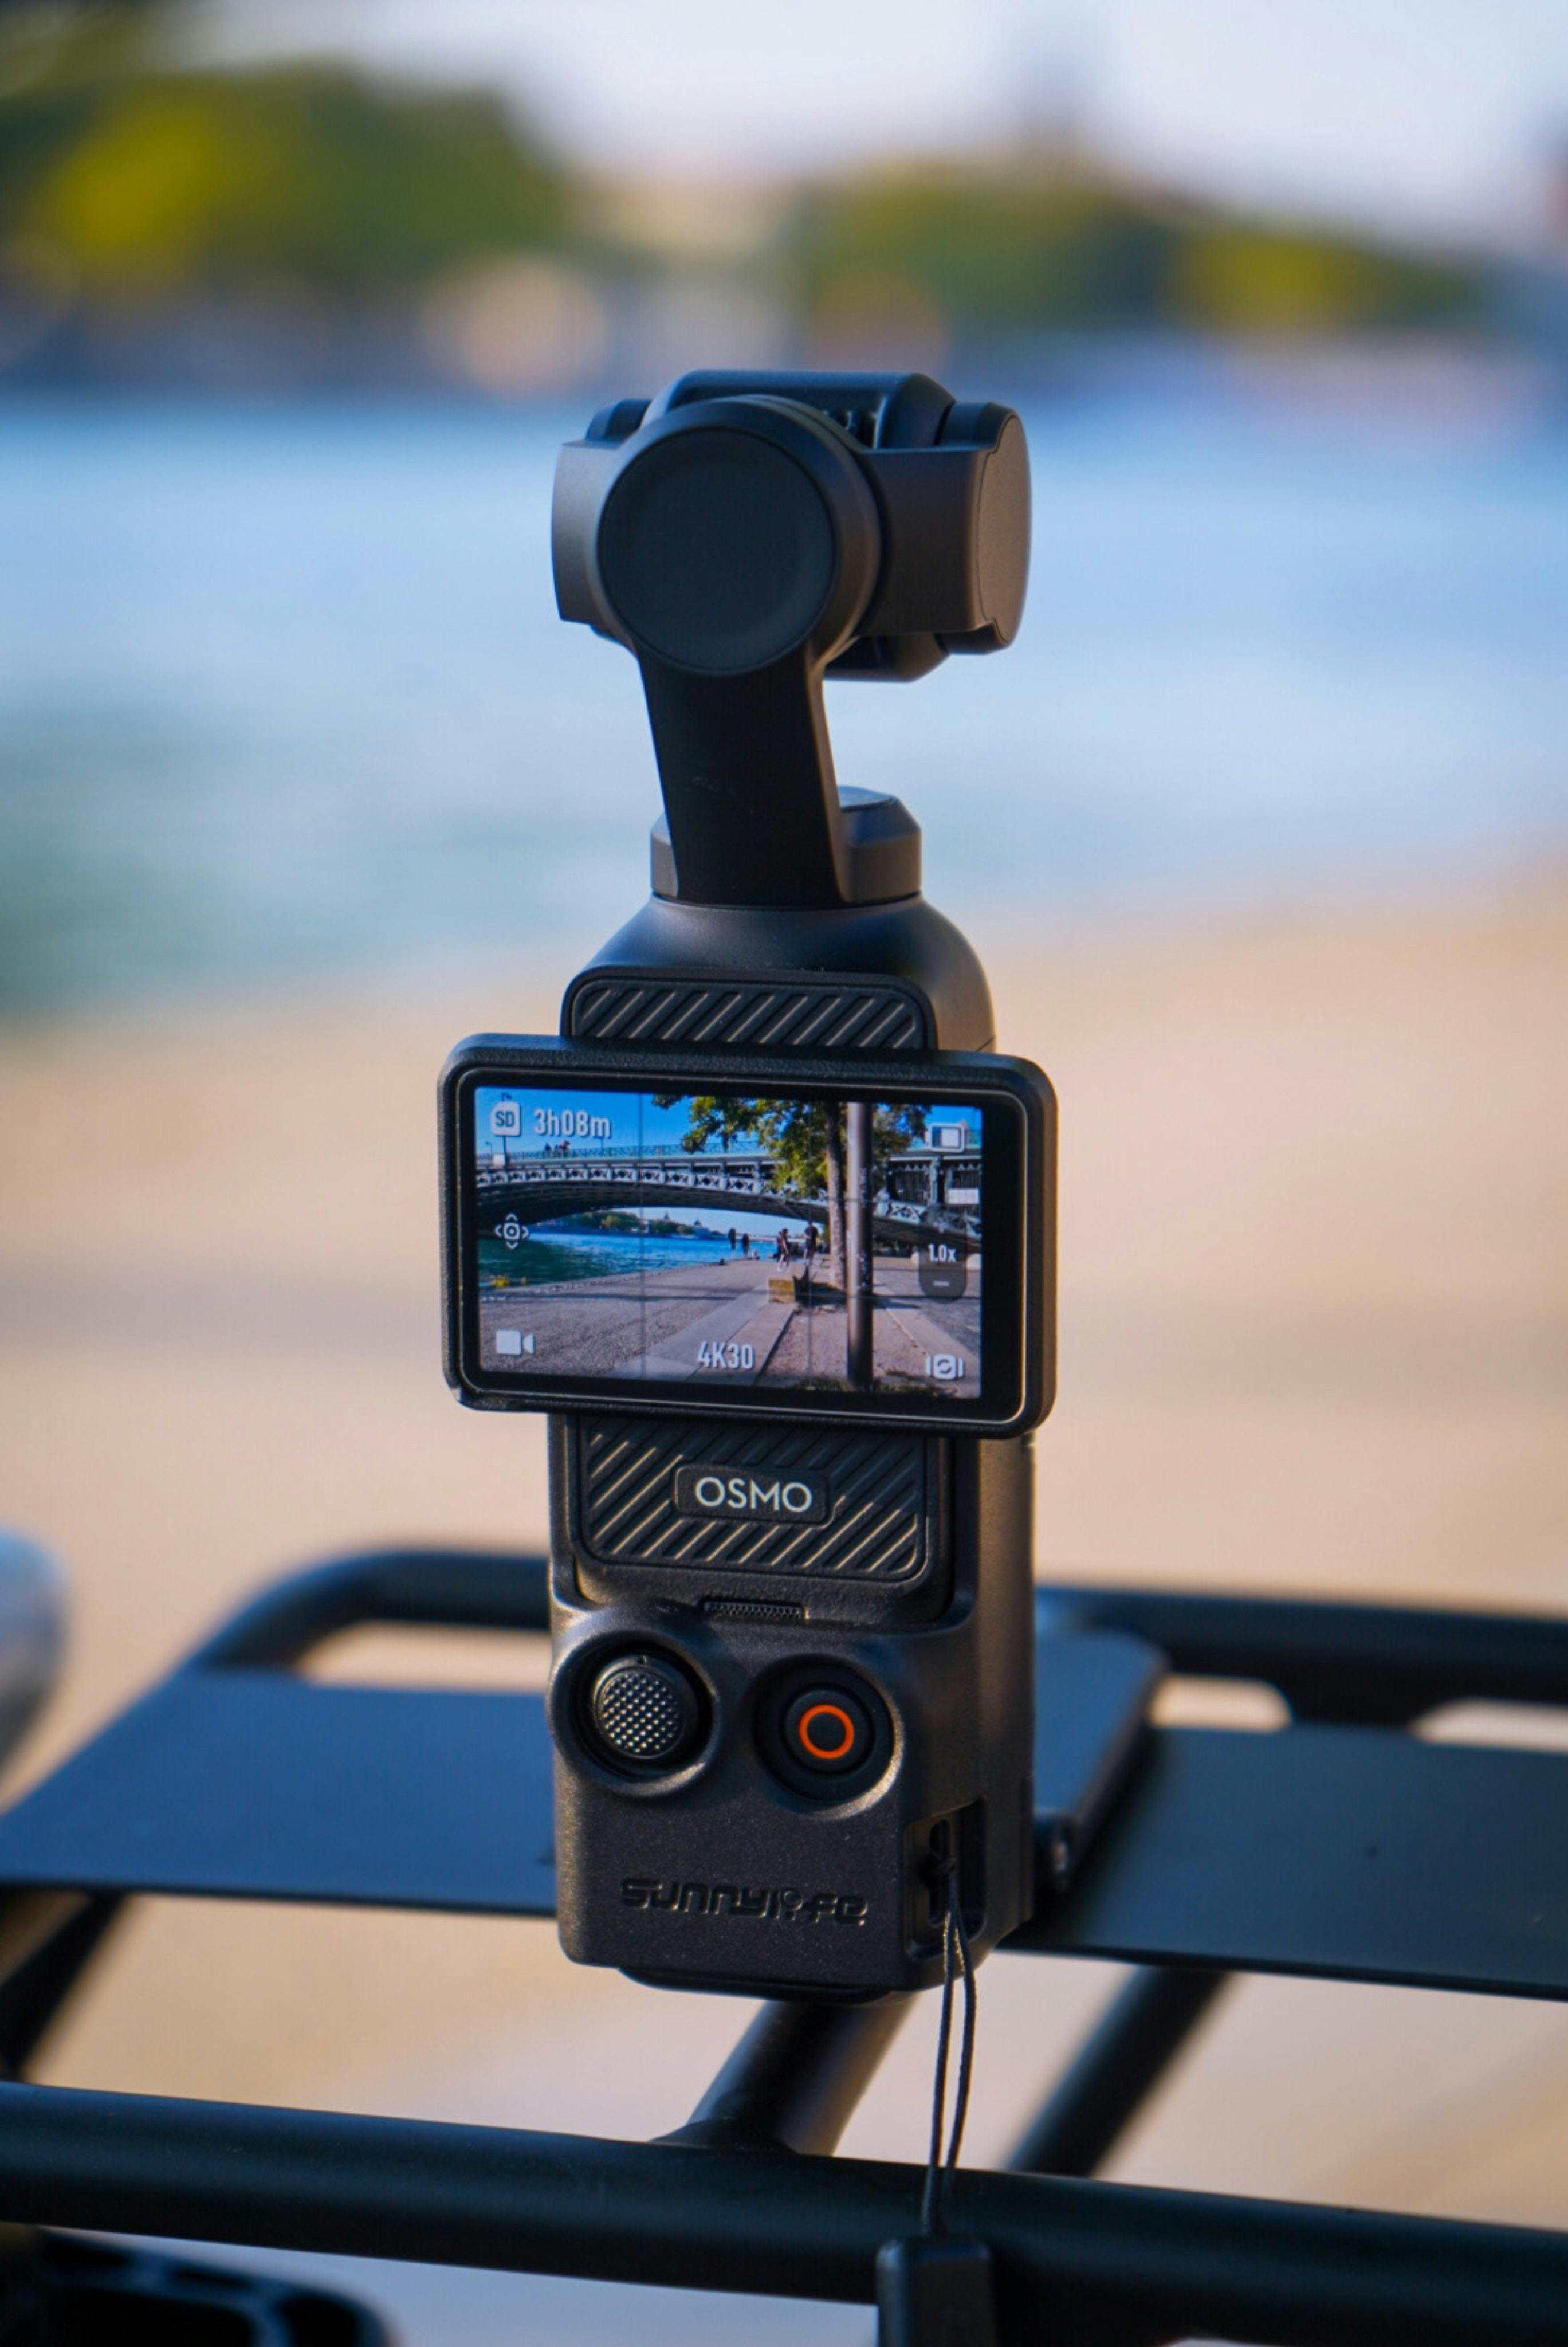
x=821 y=1018
x=880 y=1522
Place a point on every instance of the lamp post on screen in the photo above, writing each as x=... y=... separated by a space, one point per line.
x=857 y=1265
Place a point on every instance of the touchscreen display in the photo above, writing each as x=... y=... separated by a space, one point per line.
x=722 y=1239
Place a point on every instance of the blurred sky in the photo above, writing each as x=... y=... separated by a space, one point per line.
x=1427 y=114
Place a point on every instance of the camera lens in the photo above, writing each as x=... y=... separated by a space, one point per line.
x=717 y=550
x=643 y=1712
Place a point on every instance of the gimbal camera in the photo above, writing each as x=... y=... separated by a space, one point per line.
x=769 y=1230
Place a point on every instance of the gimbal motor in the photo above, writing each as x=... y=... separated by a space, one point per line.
x=746 y=535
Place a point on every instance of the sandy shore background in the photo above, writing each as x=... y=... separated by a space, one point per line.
x=1315 y=1303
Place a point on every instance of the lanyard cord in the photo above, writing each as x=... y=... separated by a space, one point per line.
x=943 y=1874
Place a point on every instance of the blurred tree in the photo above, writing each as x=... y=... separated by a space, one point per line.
x=150 y=181
x=1231 y=277
x=990 y=252
x=130 y=180
x=1052 y=248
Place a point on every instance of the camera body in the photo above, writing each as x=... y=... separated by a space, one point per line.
x=791 y=1495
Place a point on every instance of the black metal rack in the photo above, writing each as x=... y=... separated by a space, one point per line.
x=1340 y=1845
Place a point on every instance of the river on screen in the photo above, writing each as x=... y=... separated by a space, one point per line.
x=552 y=1254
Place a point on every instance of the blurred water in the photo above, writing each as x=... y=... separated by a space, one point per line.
x=282 y=691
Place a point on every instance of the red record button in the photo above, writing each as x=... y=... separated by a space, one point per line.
x=827 y=1730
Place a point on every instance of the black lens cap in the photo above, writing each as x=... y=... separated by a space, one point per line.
x=717 y=550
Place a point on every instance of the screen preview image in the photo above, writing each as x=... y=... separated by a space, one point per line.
x=705 y=1238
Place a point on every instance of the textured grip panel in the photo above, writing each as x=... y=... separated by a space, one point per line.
x=822 y=1017
x=881 y=1518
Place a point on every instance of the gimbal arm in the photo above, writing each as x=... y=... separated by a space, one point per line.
x=746 y=769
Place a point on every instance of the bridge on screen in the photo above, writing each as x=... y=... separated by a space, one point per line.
x=930 y=1195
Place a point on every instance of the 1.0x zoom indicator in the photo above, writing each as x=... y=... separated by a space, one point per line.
x=728 y=1239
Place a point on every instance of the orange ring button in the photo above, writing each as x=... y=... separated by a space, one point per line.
x=811 y=1738
x=828 y=1730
